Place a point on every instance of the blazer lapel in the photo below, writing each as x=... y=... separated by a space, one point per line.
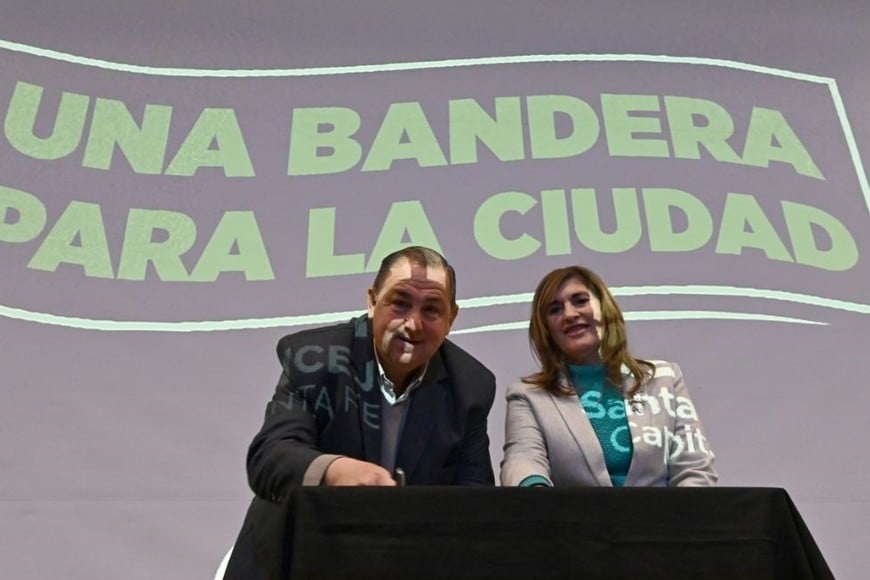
x=367 y=390
x=584 y=436
x=640 y=417
x=423 y=416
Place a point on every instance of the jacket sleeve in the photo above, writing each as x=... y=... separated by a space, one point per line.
x=474 y=461
x=525 y=459
x=690 y=458
x=286 y=445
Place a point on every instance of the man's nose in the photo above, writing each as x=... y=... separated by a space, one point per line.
x=412 y=322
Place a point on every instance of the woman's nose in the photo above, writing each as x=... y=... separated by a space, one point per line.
x=572 y=311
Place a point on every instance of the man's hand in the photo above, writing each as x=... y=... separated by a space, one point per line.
x=348 y=471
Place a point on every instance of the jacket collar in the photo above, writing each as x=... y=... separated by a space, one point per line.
x=423 y=415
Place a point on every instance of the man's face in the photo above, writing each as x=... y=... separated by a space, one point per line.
x=411 y=315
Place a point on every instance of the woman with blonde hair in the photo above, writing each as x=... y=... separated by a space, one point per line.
x=594 y=415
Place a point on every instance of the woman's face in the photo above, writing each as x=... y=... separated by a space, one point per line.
x=574 y=322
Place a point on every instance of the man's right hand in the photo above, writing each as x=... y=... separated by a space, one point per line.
x=348 y=471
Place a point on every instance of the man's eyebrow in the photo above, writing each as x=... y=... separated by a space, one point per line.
x=398 y=292
x=439 y=298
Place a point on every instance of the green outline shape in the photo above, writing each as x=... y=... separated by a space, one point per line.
x=697 y=290
x=658 y=315
x=468 y=303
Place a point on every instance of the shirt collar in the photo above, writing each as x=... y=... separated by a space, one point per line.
x=388 y=388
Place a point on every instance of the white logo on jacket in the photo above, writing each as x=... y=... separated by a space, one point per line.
x=672 y=444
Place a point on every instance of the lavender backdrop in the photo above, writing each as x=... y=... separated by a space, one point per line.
x=127 y=404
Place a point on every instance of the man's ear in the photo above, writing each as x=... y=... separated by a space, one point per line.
x=371 y=298
x=454 y=312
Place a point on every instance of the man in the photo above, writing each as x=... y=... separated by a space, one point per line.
x=369 y=402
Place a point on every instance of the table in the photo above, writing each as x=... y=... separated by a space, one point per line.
x=543 y=533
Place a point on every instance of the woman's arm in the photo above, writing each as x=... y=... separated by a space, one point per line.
x=525 y=461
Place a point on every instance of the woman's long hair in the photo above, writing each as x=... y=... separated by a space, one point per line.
x=613 y=349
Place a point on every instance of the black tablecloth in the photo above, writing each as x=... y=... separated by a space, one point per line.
x=446 y=533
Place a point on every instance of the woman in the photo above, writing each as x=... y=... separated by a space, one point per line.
x=633 y=425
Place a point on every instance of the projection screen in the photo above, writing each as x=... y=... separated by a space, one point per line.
x=183 y=184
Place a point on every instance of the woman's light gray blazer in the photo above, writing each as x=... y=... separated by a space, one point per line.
x=551 y=436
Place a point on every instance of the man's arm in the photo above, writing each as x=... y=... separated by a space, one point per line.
x=286 y=445
x=474 y=463
x=285 y=453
